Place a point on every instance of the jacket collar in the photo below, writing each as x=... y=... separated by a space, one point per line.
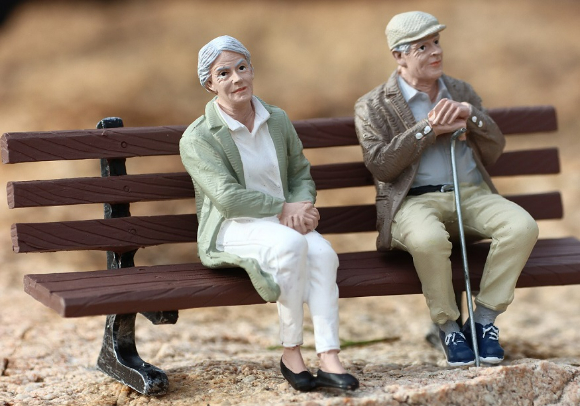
x=221 y=132
x=215 y=120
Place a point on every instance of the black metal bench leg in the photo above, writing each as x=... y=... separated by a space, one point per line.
x=164 y=317
x=119 y=358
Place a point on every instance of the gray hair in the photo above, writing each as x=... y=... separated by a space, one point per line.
x=210 y=52
x=403 y=48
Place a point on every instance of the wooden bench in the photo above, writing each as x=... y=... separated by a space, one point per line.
x=159 y=291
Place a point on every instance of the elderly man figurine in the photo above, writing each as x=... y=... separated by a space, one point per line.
x=255 y=205
x=404 y=128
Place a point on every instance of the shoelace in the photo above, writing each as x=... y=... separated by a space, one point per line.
x=454 y=337
x=492 y=331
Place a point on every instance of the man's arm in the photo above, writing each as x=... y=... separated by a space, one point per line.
x=482 y=132
x=387 y=154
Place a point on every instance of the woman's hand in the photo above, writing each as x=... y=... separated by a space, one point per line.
x=300 y=216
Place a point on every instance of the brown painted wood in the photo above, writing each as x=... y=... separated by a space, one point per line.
x=544 y=161
x=121 y=142
x=113 y=190
x=74 y=294
x=115 y=234
x=170 y=186
x=523 y=120
x=126 y=234
x=542 y=206
x=128 y=142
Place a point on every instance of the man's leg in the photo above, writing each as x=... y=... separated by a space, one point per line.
x=419 y=228
x=513 y=233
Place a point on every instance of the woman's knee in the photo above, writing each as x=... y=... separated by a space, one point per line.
x=294 y=245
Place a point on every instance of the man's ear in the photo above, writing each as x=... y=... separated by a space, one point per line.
x=401 y=61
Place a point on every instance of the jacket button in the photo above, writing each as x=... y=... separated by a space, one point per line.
x=418 y=136
x=474 y=119
x=427 y=130
x=480 y=124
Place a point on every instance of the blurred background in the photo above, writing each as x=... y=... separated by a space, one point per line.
x=67 y=64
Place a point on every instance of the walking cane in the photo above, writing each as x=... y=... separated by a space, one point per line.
x=454 y=137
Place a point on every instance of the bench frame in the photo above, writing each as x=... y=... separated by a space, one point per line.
x=165 y=288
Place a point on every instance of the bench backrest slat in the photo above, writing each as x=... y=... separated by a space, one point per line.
x=124 y=142
x=171 y=186
x=154 y=141
x=129 y=233
x=113 y=190
x=115 y=234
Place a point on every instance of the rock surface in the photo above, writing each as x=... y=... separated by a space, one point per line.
x=228 y=356
x=67 y=64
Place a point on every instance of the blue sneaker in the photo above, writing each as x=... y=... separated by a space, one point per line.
x=457 y=351
x=490 y=351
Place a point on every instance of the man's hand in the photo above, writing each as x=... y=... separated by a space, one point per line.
x=448 y=116
x=300 y=216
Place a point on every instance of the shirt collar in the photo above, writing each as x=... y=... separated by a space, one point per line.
x=260 y=117
x=409 y=92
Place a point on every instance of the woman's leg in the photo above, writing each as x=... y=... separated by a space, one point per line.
x=282 y=252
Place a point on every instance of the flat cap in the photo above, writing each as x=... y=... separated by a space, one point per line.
x=411 y=26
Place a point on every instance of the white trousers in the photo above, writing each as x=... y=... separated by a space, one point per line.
x=304 y=266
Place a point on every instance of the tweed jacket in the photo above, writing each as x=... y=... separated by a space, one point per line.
x=393 y=141
x=213 y=161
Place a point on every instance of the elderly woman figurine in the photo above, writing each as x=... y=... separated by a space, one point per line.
x=255 y=205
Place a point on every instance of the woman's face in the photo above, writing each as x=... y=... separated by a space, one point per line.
x=231 y=79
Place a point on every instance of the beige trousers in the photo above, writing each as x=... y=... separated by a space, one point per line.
x=425 y=225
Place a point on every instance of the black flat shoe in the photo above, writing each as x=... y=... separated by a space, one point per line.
x=340 y=381
x=304 y=381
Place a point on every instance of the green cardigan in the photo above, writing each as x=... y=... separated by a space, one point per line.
x=213 y=161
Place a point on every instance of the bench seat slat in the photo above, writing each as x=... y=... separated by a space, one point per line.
x=129 y=233
x=170 y=186
x=170 y=287
x=154 y=141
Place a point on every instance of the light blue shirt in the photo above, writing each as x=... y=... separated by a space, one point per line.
x=435 y=164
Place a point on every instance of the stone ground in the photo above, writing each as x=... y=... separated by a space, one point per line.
x=67 y=64
x=228 y=356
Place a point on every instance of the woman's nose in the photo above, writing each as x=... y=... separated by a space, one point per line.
x=236 y=77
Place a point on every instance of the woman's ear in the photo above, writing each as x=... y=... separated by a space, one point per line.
x=209 y=86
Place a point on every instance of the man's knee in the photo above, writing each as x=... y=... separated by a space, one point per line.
x=429 y=242
x=523 y=228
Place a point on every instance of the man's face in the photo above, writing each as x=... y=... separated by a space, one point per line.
x=232 y=79
x=424 y=62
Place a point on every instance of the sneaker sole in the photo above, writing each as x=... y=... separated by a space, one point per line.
x=460 y=364
x=491 y=360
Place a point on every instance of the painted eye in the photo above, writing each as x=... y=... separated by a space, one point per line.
x=422 y=48
x=223 y=74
